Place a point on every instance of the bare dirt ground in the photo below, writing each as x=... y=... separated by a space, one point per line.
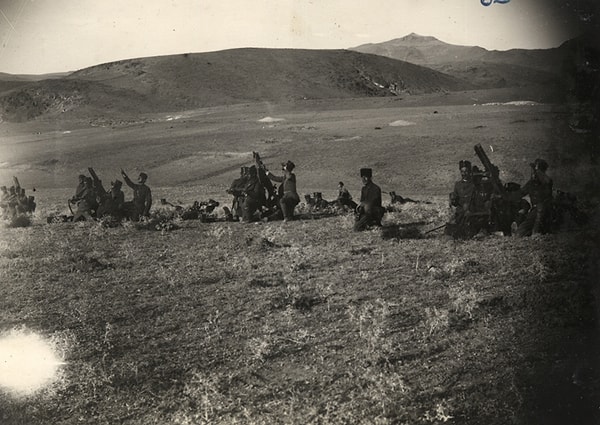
x=306 y=322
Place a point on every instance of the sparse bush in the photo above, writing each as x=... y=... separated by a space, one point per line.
x=463 y=300
x=371 y=319
x=436 y=320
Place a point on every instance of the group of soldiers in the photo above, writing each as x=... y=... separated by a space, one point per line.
x=93 y=201
x=256 y=198
x=14 y=201
x=482 y=204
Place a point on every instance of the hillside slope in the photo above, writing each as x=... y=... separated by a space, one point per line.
x=177 y=82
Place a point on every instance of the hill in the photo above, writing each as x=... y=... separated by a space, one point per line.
x=176 y=82
x=485 y=68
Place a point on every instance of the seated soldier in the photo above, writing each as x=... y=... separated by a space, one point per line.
x=539 y=189
x=113 y=204
x=344 y=198
x=237 y=190
x=86 y=202
x=464 y=197
x=505 y=212
x=310 y=202
x=369 y=212
x=319 y=202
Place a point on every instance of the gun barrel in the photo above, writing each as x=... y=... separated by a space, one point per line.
x=491 y=170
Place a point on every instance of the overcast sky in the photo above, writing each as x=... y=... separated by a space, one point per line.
x=43 y=36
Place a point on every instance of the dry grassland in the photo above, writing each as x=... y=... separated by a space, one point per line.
x=309 y=322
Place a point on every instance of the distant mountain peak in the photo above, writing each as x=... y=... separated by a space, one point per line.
x=414 y=37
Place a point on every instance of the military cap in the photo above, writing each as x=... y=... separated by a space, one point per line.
x=464 y=164
x=143 y=176
x=81 y=177
x=289 y=165
x=539 y=164
x=366 y=172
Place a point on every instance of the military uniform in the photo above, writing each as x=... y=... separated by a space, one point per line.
x=539 y=189
x=344 y=198
x=113 y=202
x=369 y=212
x=471 y=200
x=86 y=202
x=289 y=196
x=142 y=196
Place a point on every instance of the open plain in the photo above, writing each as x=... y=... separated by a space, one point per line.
x=306 y=322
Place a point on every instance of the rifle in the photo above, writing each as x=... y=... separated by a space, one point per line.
x=437 y=228
x=492 y=171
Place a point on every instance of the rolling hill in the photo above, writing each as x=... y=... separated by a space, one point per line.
x=485 y=68
x=177 y=82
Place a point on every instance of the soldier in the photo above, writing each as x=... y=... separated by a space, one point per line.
x=320 y=203
x=470 y=200
x=505 y=212
x=369 y=212
x=461 y=196
x=86 y=201
x=23 y=202
x=237 y=190
x=289 y=196
x=344 y=198
x=142 y=196
x=539 y=189
x=113 y=203
x=254 y=193
x=80 y=187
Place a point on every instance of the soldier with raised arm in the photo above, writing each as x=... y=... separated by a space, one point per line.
x=142 y=196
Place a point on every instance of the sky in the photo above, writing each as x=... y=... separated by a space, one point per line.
x=46 y=36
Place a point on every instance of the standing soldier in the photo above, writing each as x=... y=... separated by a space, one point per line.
x=142 y=196
x=369 y=212
x=289 y=198
x=539 y=189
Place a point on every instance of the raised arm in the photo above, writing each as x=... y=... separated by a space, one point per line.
x=127 y=179
x=275 y=178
